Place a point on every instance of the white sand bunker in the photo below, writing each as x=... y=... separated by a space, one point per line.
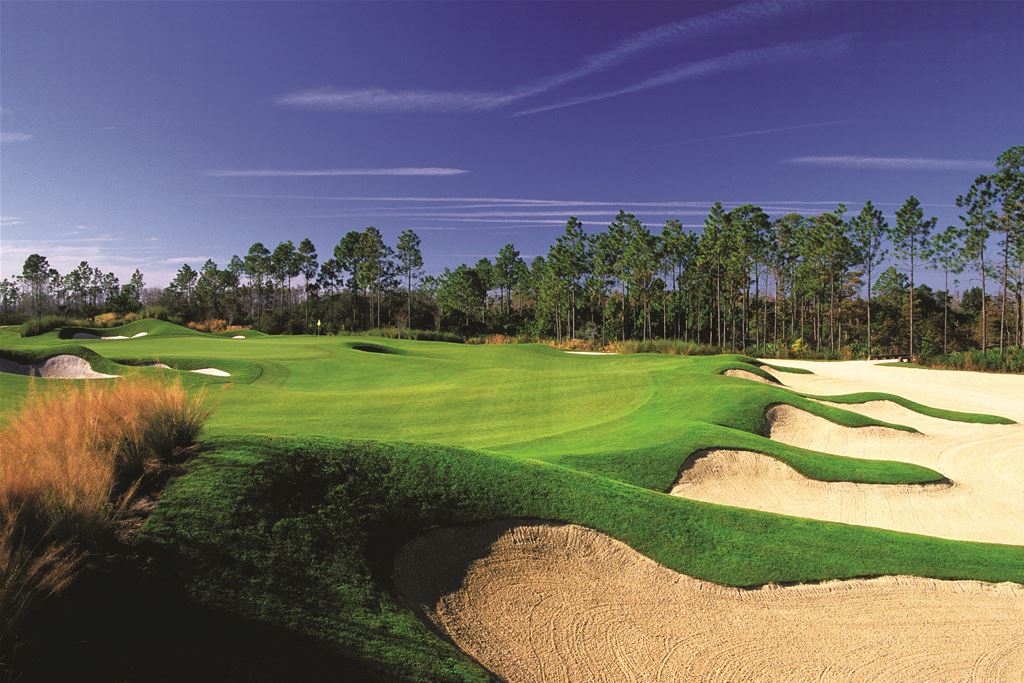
x=89 y=335
x=984 y=462
x=594 y=353
x=746 y=374
x=238 y=336
x=64 y=366
x=565 y=603
x=761 y=482
x=212 y=371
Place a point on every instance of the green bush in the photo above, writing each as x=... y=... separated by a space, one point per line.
x=45 y=323
x=1011 y=360
x=418 y=335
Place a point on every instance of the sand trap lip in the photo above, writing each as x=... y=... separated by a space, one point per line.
x=746 y=374
x=594 y=353
x=541 y=602
x=212 y=371
x=64 y=366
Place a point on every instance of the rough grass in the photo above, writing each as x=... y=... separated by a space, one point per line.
x=72 y=460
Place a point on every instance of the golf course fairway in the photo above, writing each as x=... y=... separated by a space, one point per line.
x=327 y=458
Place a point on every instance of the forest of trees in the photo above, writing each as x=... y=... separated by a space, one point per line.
x=832 y=284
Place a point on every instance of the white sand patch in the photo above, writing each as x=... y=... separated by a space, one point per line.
x=139 y=334
x=212 y=371
x=114 y=337
x=238 y=336
x=593 y=353
x=746 y=374
x=541 y=602
x=64 y=366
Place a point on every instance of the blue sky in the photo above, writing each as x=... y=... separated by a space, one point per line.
x=148 y=134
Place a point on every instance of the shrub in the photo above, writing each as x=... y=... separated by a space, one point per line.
x=44 y=324
x=418 y=335
x=1011 y=360
x=211 y=325
x=673 y=347
x=72 y=461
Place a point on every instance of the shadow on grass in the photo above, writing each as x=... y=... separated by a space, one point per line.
x=120 y=622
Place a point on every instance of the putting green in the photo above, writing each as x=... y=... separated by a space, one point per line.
x=324 y=454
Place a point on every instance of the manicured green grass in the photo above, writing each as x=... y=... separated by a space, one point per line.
x=323 y=454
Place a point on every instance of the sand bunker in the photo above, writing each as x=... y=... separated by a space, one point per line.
x=64 y=366
x=761 y=482
x=984 y=462
x=564 y=603
x=212 y=371
x=593 y=353
x=746 y=374
x=89 y=335
x=238 y=336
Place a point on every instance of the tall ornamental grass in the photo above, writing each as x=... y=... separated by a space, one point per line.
x=71 y=461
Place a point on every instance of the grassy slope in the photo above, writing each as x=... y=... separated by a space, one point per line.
x=300 y=532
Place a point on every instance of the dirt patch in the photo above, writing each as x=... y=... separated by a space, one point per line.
x=746 y=374
x=64 y=366
x=538 y=602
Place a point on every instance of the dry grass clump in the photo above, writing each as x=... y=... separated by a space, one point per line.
x=70 y=463
x=211 y=325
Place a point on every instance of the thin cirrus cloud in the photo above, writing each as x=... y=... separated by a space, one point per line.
x=329 y=172
x=891 y=163
x=782 y=53
x=383 y=100
x=763 y=131
x=15 y=137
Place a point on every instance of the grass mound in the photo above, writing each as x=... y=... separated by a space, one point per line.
x=148 y=326
x=373 y=348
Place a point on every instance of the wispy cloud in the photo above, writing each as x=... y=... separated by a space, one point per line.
x=763 y=131
x=785 y=52
x=383 y=100
x=15 y=137
x=310 y=173
x=380 y=100
x=10 y=221
x=183 y=259
x=892 y=163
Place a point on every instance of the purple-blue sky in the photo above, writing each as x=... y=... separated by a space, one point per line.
x=147 y=134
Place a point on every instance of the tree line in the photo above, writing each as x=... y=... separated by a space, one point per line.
x=829 y=284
